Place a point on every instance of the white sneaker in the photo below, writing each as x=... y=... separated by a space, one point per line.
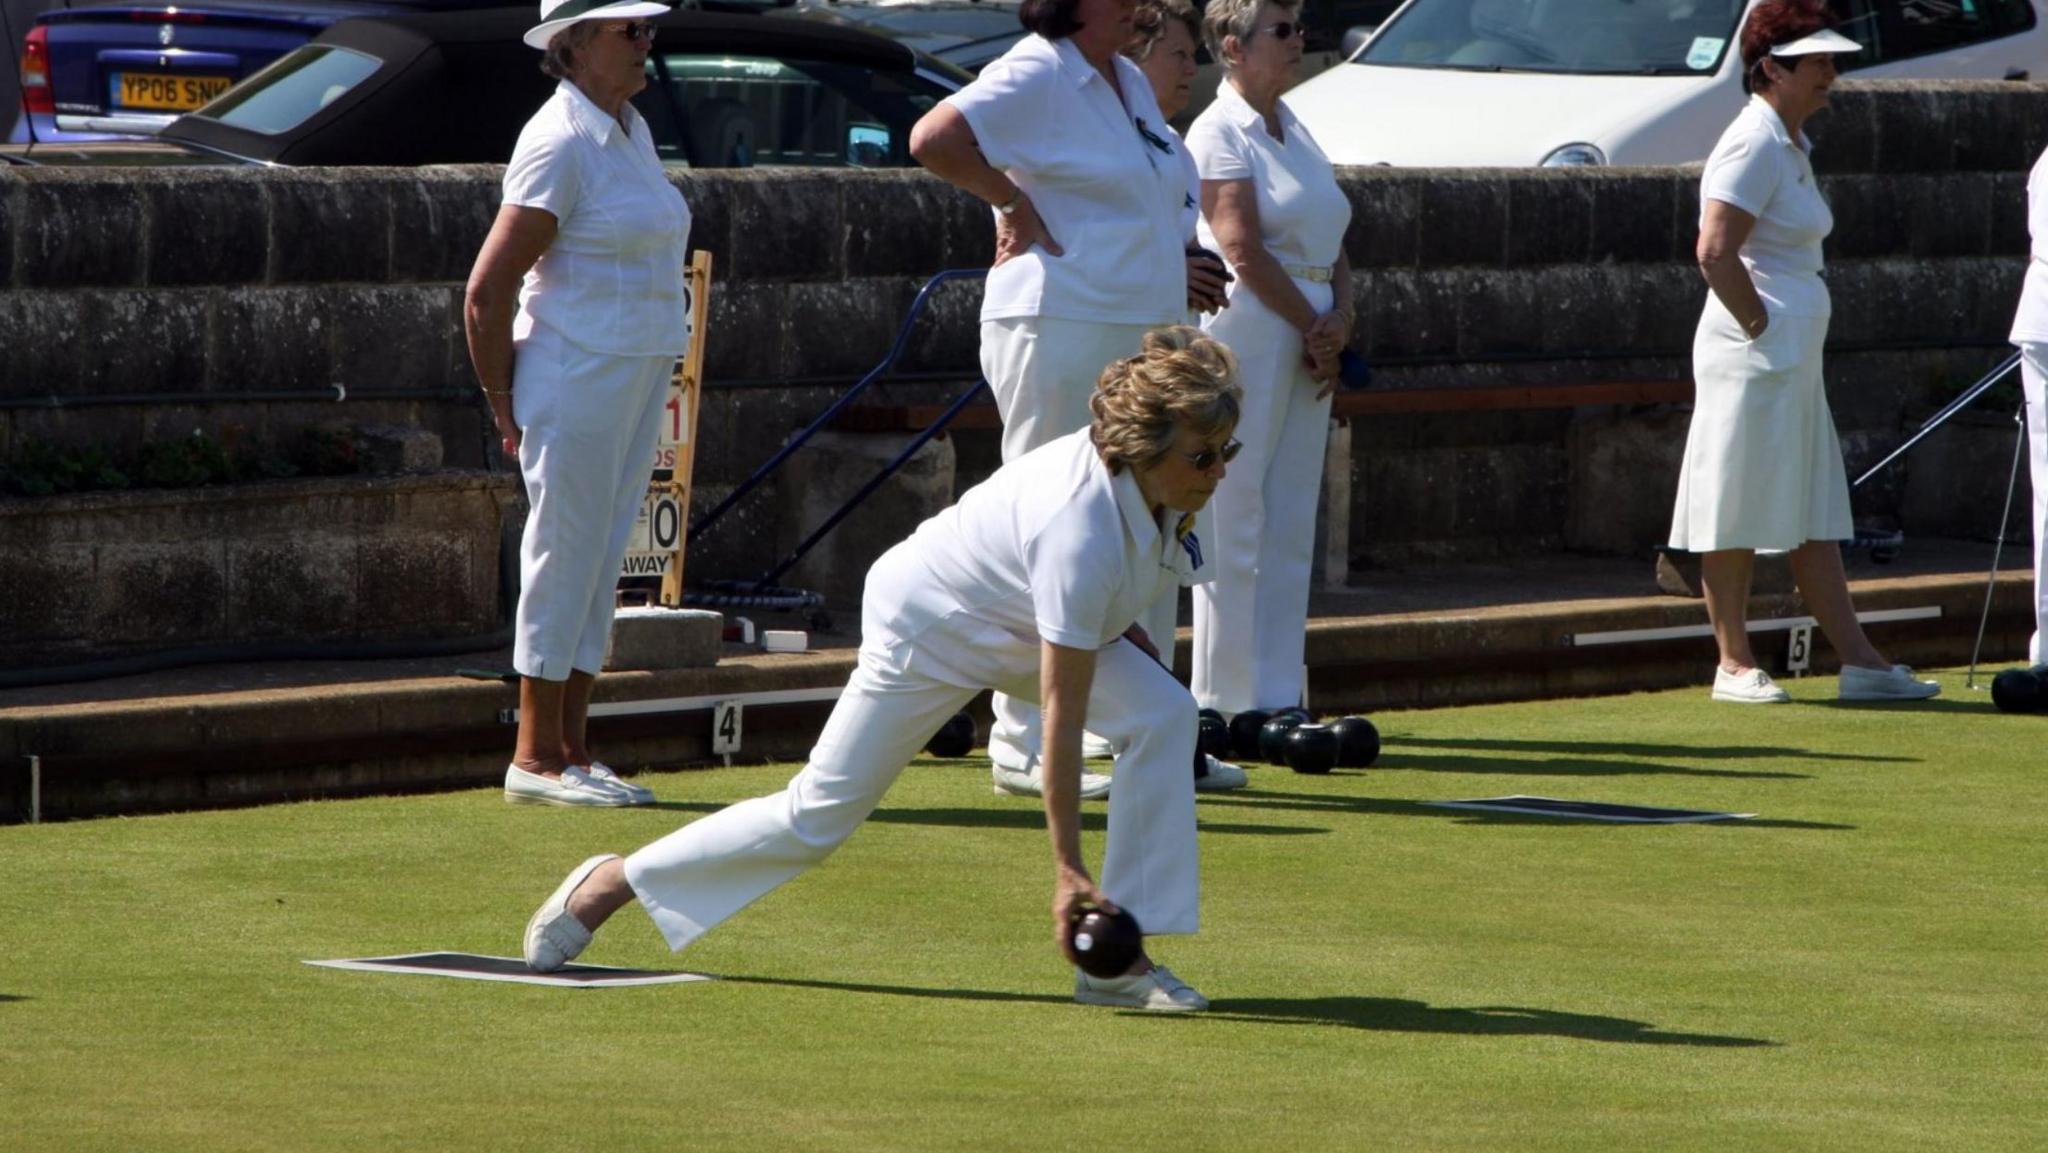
x=574 y=787
x=1015 y=773
x=604 y=775
x=554 y=936
x=1754 y=687
x=1896 y=683
x=1094 y=748
x=1219 y=775
x=1157 y=991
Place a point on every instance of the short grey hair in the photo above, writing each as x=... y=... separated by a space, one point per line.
x=1236 y=18
x=560 y=58
x=1150 y=21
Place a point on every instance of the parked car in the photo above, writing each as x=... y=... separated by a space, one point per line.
x=1565 y=82
x=726 y=90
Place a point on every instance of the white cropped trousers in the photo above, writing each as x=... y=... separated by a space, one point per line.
x=588 y=424
x=2034 y=385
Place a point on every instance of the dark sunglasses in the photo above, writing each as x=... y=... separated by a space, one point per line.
x=1286 y=30
x=637 y=30
x=1207 y=458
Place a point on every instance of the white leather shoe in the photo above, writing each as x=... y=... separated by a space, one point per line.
x=554 y=937
x=1014 y=773
x=1220 y=775
x=1896 y=683
x=1754 y=687
x=604 y=775
x=1094 y=748
x=574 y=787
x=1156 y=991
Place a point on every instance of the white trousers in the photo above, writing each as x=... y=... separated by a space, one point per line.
x=704 y=872
x=1042 y=370
x=1251 y=622
x=2034 y=384
x=588 y=422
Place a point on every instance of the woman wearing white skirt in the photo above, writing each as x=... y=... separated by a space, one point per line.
x=1030 y=584
x=1763 y=468
x=1272 y=207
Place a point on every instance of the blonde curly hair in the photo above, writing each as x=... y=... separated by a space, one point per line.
x=1180 y=378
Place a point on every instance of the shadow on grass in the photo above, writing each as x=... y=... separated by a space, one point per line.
x=1934 y=705
x=1092 y=819
x=6 y=997
x=1564 y=767
x=1397 y=1015
x=1598 y=748
x=1395 y=807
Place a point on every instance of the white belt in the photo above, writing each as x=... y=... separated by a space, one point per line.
x=1320 y=274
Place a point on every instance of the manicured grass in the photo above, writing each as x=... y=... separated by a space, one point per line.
x=1863 y=967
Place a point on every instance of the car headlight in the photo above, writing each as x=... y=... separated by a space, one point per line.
x=1574 y=156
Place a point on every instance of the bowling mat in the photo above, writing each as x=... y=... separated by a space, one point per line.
x=480 y=968
x=1589 y=810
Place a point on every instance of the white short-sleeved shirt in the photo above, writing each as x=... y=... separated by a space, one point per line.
x=1302 y=211
x=1191 y=208
x=1758 y=167
x=1051 y=547
x=2030 y=324
x=1111 y=198
x=613 y=280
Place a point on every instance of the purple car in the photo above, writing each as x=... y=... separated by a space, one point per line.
x=106 y=71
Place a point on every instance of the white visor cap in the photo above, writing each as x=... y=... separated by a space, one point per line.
x=1824 y=42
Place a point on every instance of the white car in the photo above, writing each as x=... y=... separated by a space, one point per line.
x=1511 y=83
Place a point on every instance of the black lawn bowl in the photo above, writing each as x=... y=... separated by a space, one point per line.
x=955 y=738
x=1273 y=735
x=1311 y=748
x=1244 y=732
x=1107 y=944
x=1215 y=738
x=1358 y=742
x=2020 y=691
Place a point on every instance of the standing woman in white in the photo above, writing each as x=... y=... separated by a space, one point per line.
x=1272 y=207
x=576 y=312
x=2030 y=333
x=1030 y=584
x=1763 y=468
x=1062 y=138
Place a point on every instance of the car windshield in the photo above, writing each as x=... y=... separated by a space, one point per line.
x=737 y=111
x=294 y=87
x=1653 y=37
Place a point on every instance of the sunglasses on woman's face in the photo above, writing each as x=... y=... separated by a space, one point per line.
x=1207 y=458
x=1285 y=30
x=636 y=30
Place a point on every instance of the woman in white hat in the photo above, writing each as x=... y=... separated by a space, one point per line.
x=576 y=312
x=1031 y=584
x=1763 y=468
x=2030 y=333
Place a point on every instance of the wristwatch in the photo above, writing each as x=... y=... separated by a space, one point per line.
x=1010 y=206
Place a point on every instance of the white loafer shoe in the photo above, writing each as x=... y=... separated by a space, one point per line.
x=1896 y=683
x=1015 y=773
x=1156 y=991
x=1219 y=775
x=574 y=788
x=554 y=937
x=605 y=775
x=1754 y=687
x=1094 y=748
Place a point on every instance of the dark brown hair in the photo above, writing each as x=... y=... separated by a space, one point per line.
x=1051 y=19
x=1770 y=24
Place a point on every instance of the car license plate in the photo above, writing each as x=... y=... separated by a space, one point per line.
x=156 y=90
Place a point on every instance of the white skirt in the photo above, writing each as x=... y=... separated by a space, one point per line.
x=1763 y=467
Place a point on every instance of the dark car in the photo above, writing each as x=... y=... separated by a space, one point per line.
x=725 y=90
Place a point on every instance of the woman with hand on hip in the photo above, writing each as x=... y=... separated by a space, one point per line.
x=1763 y=467
x=1062 y=138
x=576 y=312
x=1030 y=584
x=1272 y=207
x=2030 y=333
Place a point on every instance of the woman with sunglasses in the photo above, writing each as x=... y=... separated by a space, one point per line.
x=576 y=312
x=1062 y=138
x=1272 y=207
x=1030 y=584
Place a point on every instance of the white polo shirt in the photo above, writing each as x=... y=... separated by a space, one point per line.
x=1050 y=547
x=2030 y=324
x=1191 y=208
x=613 y=280
x=1759 y=168
x=1302 y=211
x=1111 y=198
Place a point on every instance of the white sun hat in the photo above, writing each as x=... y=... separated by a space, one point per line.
x=556 y=15
x=1823 y=42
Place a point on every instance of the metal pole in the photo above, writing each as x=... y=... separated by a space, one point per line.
x=35 y=790
x=2019 y=444
x=1940 y=418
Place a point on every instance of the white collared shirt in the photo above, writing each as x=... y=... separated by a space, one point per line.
x=1111 y=199
x=1759 y=168
x=1051 y=547
x=1191 y=207
x=2030 y=323
x=613 y=280
x=1302 y=211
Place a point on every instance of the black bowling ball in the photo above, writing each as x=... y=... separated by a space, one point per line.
x=2020 y=691
x=1311 y=748
x=1358 y=742
x=1273 y=735
x=955 y=738
x=1244 y=732
x=1107 y=944
x=1215 y=735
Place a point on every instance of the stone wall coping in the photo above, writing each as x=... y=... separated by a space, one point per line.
x=290 y=489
